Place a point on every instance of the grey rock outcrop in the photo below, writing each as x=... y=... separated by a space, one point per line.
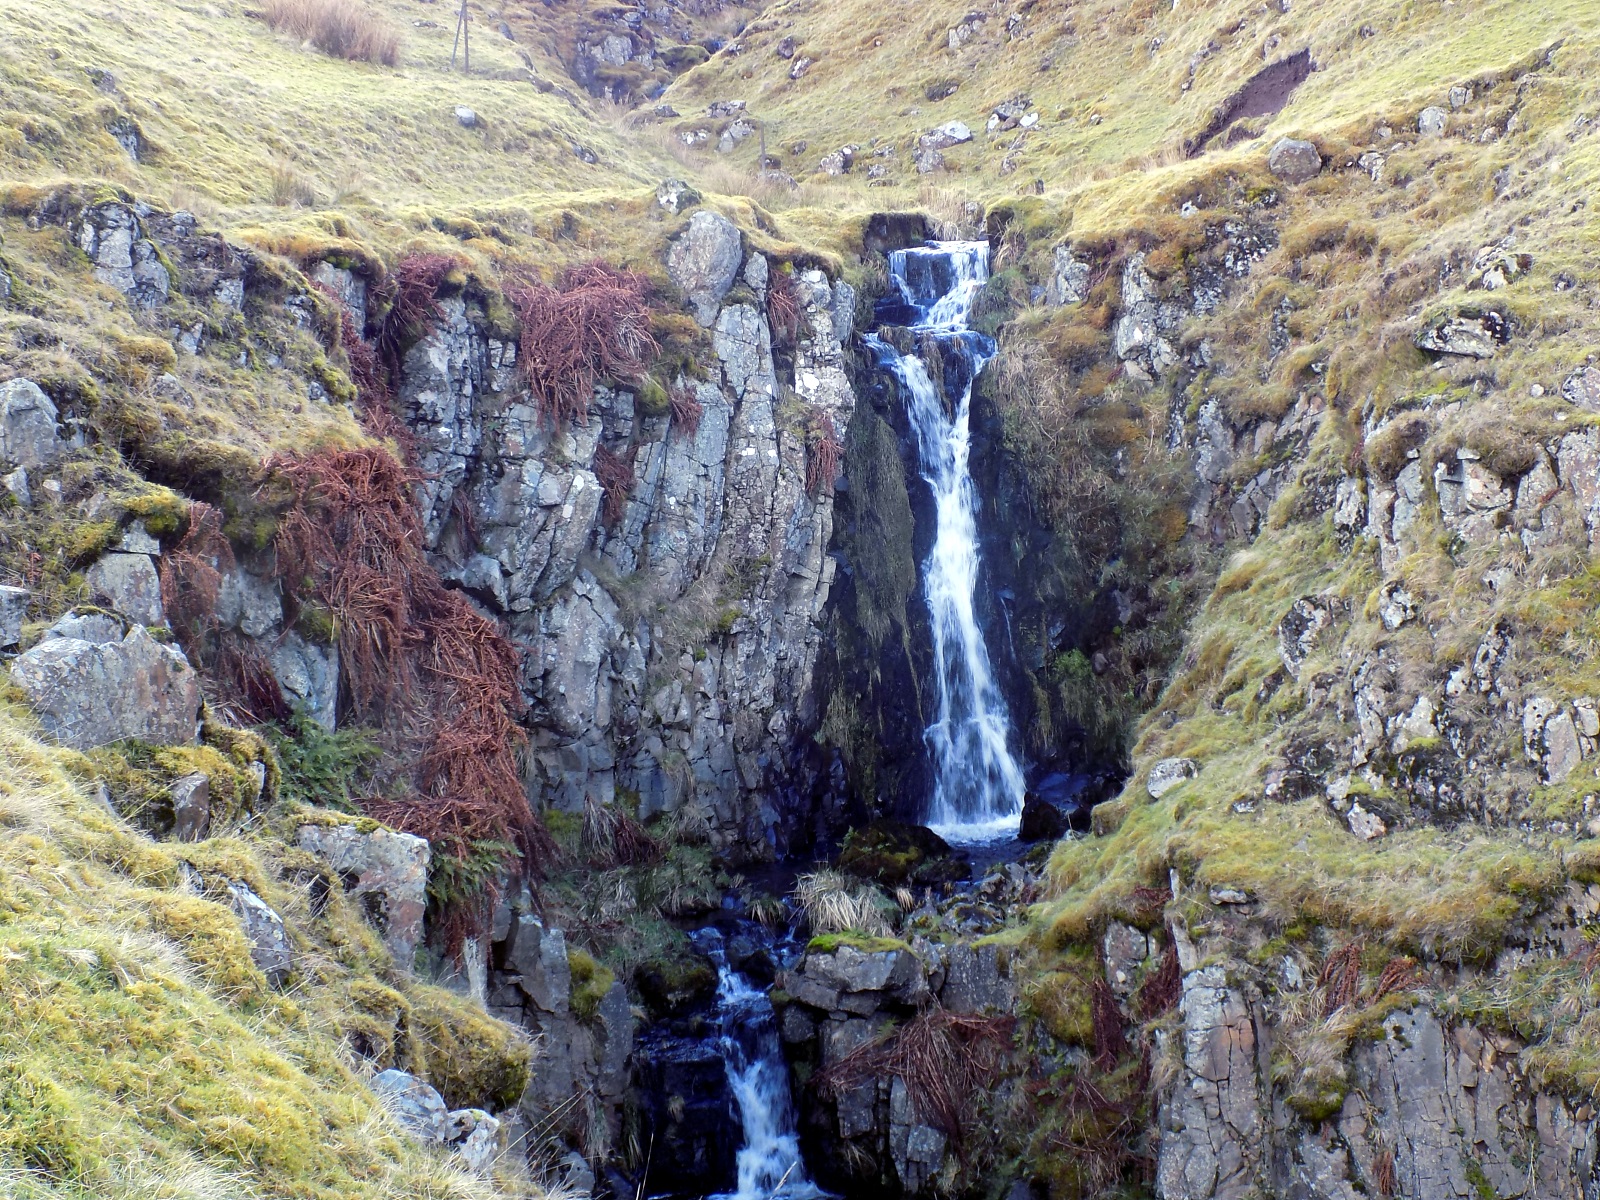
x=386 y=871
x=708 y=586
x=29 y=434
x=704 y=261
x=91 y=693
x=111 y=235
x=127 y=584
x=1069 y=278
x=13 y=609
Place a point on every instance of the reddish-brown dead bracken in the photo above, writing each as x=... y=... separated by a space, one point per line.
x=783 y=308
x=1161 y=988
x=595 y=325
x=1341 y=978
x=944 y=1058
x=823 y=451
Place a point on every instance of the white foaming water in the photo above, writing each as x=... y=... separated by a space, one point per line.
x=978 y=783
x=769 y=1160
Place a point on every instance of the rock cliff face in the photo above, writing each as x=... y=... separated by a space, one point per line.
x=669 y=639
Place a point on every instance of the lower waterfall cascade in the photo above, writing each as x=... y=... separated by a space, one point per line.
x=977 y=781
x=769 y=1161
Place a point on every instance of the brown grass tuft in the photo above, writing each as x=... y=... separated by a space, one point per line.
x=615 y=473
x=823 y=451
x=783 y=308
x=342 y=28
x=611 y=838
x=686 y=411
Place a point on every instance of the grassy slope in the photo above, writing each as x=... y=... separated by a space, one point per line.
x=144 y=1056
x=1091 y=60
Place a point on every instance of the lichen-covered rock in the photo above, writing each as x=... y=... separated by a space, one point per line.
x=387 y=872
x=416 y=1105
x=1294 y=160
x=704 y=261
x=1463 y=336
x=88 y=694
x=270 y=948
x=476 y=1138
x=191 y=807
x=13 y=608
x=1168 y=774
x=1069 y=277
x=123 y=257
x=29 y=437
x=676 y=196
x=128 y=585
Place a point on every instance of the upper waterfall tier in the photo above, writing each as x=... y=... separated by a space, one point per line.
x=978 y=783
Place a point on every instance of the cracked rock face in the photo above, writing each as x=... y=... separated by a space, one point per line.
x=668 y=639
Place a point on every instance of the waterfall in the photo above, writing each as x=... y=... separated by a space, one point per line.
x=978 y=784
x=769 y=1161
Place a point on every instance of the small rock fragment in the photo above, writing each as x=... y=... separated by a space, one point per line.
x=1168 y=774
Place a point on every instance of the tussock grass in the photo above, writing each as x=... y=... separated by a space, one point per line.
x=833 y=903
x=342 y=28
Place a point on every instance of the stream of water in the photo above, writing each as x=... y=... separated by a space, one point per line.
x=769 y=1163
x=978 y=783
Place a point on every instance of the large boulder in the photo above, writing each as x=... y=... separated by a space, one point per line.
x=1582 y=388
x=90 y=693
x=387 y=871
x=1464 y=336
x=28 y=420
x=704 y=261
x=1294 y=160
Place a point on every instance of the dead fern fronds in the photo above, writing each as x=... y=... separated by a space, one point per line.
x=1162 y=988
x=413 y=291
x=944 y=1058
x=1397 y=975
x=686 y=411
x=1110 y=1043
x=1341 y=978
x=595 y=326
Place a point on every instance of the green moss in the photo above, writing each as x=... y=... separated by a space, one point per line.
x=1058 y=995
x=474 y=1060
x=827 y=943
x=590 y=983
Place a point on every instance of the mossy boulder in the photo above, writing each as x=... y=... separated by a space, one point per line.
x=892 y=853
x=672 y=987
